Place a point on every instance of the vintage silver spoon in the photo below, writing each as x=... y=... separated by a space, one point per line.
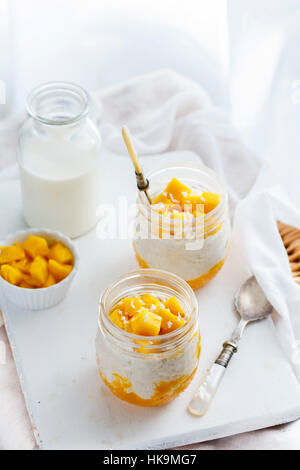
x=252 y=305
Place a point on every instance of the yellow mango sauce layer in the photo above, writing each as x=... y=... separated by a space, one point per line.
x=148 y=316
x=165 y=391
x=35 y=263
x=179 y=199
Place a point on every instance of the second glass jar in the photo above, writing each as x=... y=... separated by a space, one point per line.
x=198 y=250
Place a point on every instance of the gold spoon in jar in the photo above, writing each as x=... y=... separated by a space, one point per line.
x=142 y=182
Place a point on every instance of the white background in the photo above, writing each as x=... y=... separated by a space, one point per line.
x=97 y=43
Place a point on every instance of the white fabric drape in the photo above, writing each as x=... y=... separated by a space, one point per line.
x=265 y=82
x=167 y=112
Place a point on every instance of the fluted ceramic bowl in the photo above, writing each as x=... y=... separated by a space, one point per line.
x=46 y=297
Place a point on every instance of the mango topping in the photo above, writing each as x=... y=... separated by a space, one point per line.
x=148 y=316
x=146 y=323
x=50 y=281
x=211 y=201
x=23 y=265
x=39 y=269
x=179 y=199
x=35 y=263
x=36 y=246
x=11 y=274
x=25 y=285
x=170 y=322
x=174 y=306
x=60 y=253
x=11 y=253
x=59 y=271
x=31 y=281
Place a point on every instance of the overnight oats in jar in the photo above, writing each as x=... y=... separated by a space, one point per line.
x=148 y=340
x=186 y=230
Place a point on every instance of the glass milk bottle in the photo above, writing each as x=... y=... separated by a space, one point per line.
x=59 y=158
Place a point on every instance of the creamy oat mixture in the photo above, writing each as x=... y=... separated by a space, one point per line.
x=173 y=255
x=143 y=371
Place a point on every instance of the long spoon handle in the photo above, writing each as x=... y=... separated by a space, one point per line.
x=206 y=391
x=142 y=182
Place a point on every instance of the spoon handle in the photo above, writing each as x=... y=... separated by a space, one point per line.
x=204 y=394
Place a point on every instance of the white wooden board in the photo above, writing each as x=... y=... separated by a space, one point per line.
x=71 y=408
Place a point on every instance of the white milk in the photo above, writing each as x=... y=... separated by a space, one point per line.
x=60 y=179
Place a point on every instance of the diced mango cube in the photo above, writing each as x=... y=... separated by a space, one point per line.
x=58 y=270
x=162 y=198
x=50 y=281
x=25 y=285
x=23 y=265
x=150 y=301
x=177 y=191
x=11 y=274
x=118 y=318
x=60 y=253
x=11 y=253
x=131 y=305
x=36 y=246
x=31 y=281
x=195 y=199
x=175 y=307
x=211 y=200
x=39 y=269
x=169 y=322
x=195 y=203
x=146 y=323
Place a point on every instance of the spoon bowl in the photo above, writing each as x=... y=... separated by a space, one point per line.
x=251 y=302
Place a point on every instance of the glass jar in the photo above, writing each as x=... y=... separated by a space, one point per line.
x=194 y=249
x=145 y=370
x=59 y=157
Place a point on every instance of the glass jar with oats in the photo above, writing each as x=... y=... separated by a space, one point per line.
x=148 y=340
x=186 y=229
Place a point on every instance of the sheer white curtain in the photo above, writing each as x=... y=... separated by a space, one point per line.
x=6 y=58
x=98 y=43
x=265 y=83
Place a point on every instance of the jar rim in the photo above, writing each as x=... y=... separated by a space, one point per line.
x=214 y=214
x=165 y=341
x=58 y=89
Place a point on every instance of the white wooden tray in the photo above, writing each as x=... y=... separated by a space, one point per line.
x=71 y=408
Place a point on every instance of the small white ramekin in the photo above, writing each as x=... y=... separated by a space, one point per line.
x=39 y=299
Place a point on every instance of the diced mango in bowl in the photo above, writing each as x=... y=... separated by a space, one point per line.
x=59 y=271
x=35 y=246
x=11 y=274
x=35 y=263
x=11 y=253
